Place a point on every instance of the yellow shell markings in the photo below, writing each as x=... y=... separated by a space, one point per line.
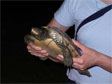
x=51 y=47
x=73 y=51
x=60 y=39
x=56 y=37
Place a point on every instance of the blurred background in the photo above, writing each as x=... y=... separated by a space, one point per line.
x=18 y=66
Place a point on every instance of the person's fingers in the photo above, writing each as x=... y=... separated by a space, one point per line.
x=33 y=46
x=36 y=54
x=79 y=45
x=78 y=61
x=60 y=57
x=37 y=51
x=32 y=50
x=43 y=52
x=29 y=50
x=78 y=66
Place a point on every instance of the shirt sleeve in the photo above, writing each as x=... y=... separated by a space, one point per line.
x=65 y=14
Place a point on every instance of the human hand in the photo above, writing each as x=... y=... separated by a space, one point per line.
x=88 y=58
x=39 y=52
x=36 y=51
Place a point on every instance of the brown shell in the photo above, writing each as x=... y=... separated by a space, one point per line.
x=52 y=48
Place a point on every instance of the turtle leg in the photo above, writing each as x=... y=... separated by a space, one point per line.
x=67 y=56
x=29 y=39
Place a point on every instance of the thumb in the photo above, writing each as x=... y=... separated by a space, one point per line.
x=78 y=60
x=79 y=45
x=60 y=57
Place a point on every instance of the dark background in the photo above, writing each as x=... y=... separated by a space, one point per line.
x=18 y=66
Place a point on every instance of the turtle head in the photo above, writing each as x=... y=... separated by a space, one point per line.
x=36 y=31
x=39 y=33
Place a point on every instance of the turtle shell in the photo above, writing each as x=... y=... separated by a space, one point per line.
x=55 y=42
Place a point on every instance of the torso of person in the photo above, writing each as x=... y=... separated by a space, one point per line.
x=96 y=34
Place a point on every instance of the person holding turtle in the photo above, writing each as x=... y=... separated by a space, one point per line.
x=93 y=25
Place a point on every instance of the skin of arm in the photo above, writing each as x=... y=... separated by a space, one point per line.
x=54 y=23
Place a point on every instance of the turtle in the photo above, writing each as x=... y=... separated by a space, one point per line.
x=55 y=42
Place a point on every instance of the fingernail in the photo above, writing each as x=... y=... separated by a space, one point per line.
x=45 y=54
x=38 y=48
x=60 y=57
x=43 y=51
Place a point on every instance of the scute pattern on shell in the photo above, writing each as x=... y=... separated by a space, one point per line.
x=56 y=42
x=56 y=37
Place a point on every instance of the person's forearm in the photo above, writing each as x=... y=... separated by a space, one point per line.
x=105 y=62
x=54 y=23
